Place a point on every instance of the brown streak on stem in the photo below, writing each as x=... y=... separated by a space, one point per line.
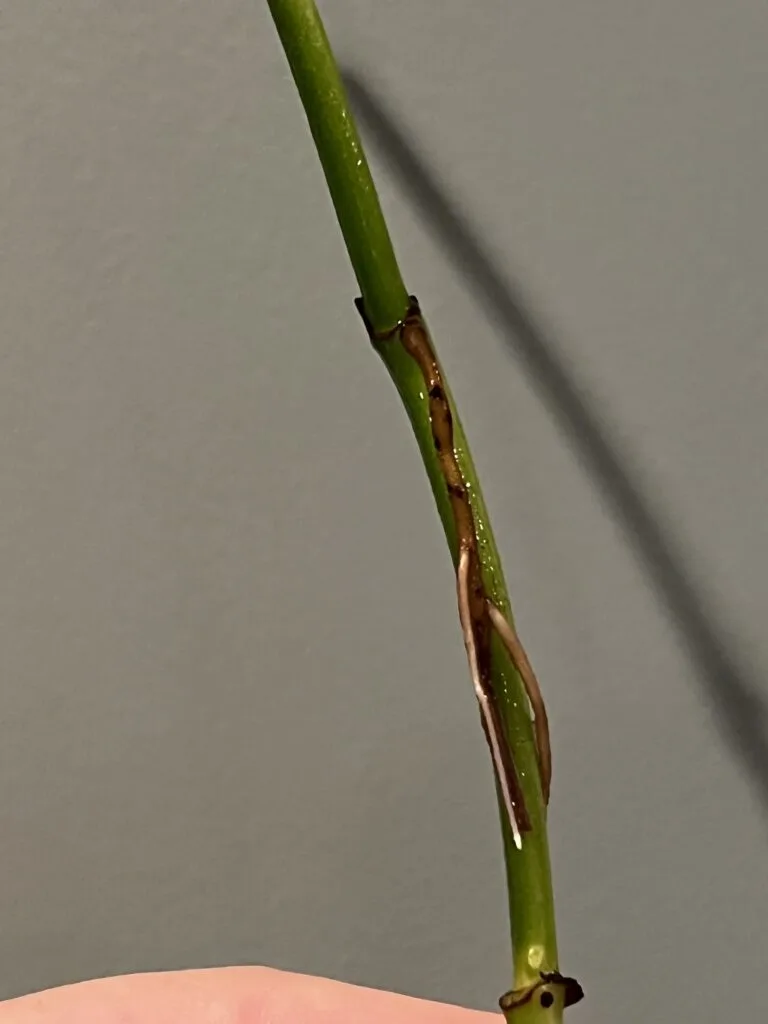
x=494 y=731
x=511 y=641
x=412 y=334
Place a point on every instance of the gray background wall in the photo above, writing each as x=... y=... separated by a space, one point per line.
x=223 y=737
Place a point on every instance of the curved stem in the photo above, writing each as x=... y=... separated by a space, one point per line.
x=401 y=338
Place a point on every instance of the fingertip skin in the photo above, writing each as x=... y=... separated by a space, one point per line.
x=228 y=995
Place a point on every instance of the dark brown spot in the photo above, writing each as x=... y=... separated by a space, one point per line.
x=574 y=993
x=456 y=490
x=438 y=445
x=435 y=391
x=546 y=1000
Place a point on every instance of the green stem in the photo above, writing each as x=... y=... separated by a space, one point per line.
x=385 y=301
x=341 y=154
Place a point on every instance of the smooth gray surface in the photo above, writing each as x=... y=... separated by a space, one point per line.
x=234 y=719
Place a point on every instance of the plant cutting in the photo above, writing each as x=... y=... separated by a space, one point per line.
x=512 y=710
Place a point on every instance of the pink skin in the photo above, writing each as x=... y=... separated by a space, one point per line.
x=229 y=995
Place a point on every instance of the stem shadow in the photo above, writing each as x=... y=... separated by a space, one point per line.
x=725 y=682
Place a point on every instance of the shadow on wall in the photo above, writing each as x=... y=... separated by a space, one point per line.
x=740 y=710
